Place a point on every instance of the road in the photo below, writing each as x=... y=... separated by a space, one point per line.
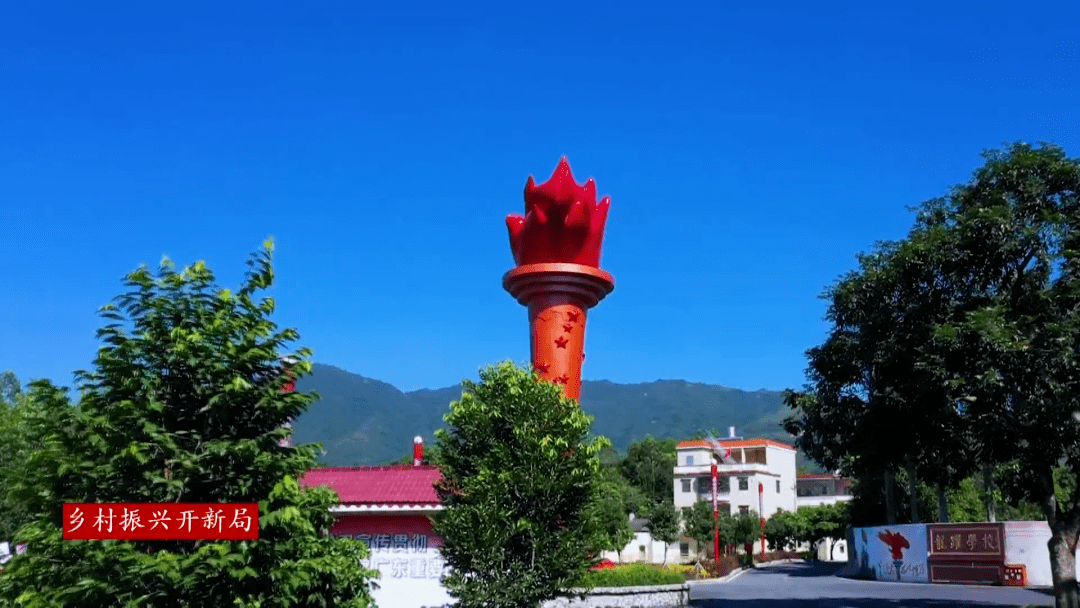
x=805 y=585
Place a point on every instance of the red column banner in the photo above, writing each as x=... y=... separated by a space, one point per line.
x=161 y=521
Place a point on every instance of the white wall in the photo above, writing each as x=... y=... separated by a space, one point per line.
x=813 y=501
x=654 y=551
x=1026 y=543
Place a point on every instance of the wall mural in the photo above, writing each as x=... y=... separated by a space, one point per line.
x=891 y=553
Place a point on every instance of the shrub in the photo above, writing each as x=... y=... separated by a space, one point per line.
x=682 y=569
x=632 y=575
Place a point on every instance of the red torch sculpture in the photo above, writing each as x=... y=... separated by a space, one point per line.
x=556 y=246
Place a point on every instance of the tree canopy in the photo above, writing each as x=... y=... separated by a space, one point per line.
x=184 y=403
x=520 y=484
x=957 y=347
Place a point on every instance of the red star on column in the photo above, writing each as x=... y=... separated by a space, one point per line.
x=563 y=379
x=572 y=317
x=560 y=342
x=567 y=327
x=541 y=367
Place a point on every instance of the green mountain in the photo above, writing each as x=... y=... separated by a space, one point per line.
x=363 y=421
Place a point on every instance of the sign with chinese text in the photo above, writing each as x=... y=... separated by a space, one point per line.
x=966 y=553
x=966 y=542
x=161 y=521
x=405 y=551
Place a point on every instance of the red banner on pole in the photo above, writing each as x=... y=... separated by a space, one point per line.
x=161 y=521
x=761 y=514
x=716 y=515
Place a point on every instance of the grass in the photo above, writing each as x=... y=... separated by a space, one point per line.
x=634 y=575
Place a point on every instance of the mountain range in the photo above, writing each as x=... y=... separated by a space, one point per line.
x=361 y=421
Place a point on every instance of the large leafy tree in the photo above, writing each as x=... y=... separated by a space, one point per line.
x=998 y=369
x=650 y=466
x=185 y=402
x=879 y=398
x=1017 y=224
x=520 y=478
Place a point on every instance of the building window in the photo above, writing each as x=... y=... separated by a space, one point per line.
x=777 y=484
x=685 y=484
x=743 y=509
x=723 y=485
x=744 y=483
x=684 y=548
x=704 y=485
x=689 y=460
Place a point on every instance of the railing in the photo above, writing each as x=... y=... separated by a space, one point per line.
x=723 y=469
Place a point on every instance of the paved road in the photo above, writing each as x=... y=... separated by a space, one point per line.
x=803 y=585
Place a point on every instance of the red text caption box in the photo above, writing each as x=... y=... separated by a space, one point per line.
x=161 y=521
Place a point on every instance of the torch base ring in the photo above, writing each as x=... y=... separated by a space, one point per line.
x=586 y=284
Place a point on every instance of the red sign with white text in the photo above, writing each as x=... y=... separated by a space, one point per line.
x=161 y=521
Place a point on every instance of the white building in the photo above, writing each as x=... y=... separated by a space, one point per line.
x=643 y=547
x=822 y=489
x=756 y=475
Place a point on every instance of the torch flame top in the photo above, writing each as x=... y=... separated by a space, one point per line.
x=563 y=223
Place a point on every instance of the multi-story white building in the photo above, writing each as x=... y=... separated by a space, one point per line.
x=757 y=475
x=822 y=489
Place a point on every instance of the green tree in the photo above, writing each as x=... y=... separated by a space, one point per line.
x=823 y=522
x=783 y=530
x=184 y=403
x=698 y=525
x=742 y=529
x=612 y=516
x=650 y=466
x=520 y=478
x=664 y=524
x=15 y=447
x=1016 y=229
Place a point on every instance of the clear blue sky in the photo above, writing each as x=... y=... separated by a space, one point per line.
x=750 y=153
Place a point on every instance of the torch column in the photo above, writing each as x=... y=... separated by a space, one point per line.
x=558 y=296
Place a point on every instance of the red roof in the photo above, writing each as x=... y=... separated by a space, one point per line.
x=735 y=443
x=402 y=485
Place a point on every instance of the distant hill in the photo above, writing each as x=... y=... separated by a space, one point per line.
x=363 y=421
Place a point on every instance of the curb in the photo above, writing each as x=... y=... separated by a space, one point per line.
x=738 y=571
x=780 y=562
x=718 y=581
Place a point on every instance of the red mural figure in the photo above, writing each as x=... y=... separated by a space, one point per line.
x=556 y=246
x=896 y=543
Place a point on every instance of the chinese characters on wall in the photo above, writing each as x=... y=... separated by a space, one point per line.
x=970 y=541
x=403 y=556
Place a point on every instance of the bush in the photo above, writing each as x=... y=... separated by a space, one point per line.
x=746 y=560
x=810 y=556
x=632 y=575
x=682 y=569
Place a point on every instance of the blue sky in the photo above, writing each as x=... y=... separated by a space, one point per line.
x=750 y=152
